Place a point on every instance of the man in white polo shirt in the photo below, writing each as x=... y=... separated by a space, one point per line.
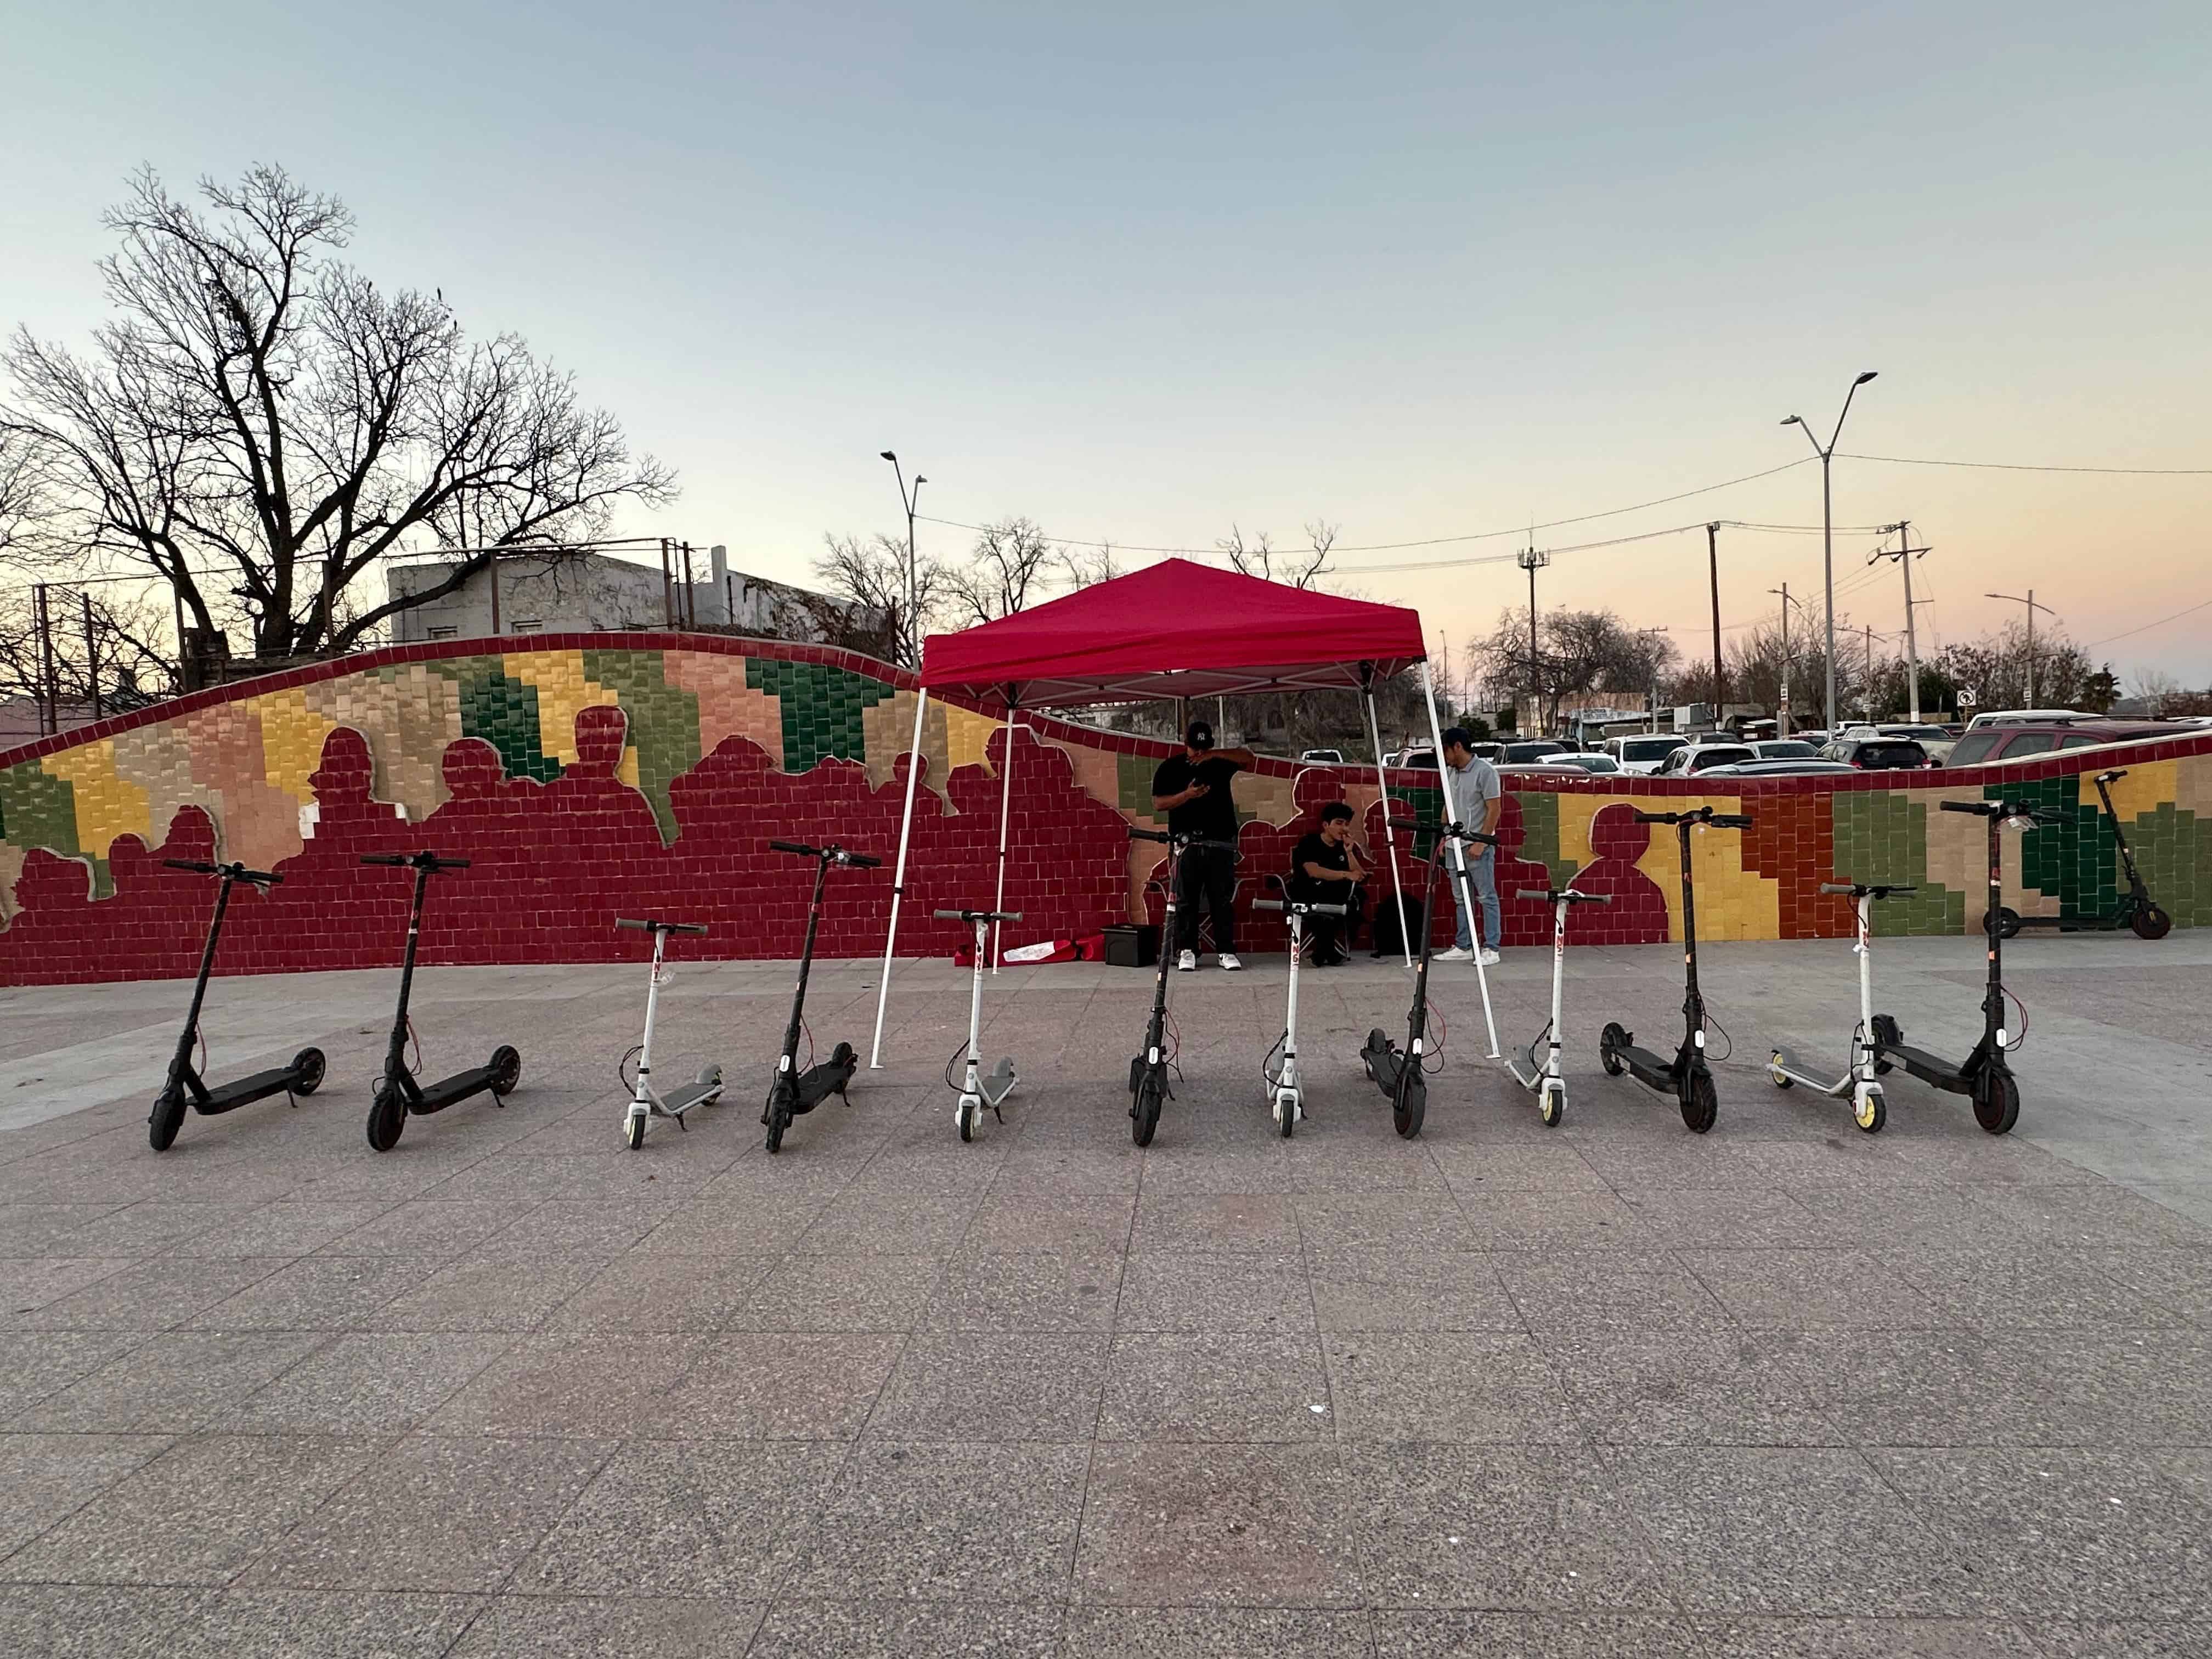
x=1474 y=798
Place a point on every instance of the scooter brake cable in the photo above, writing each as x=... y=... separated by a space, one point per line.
x=623 y=1075
x=956 y=1053
x=1435 y=1054
x=2020 y=1037
x=1271 y=1078
x=417 y=1067
x=1718 y=1059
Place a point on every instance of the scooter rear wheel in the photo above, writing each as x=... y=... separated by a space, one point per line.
x=1888 y=1033
x=1610 y=1042
x=308 y=1070
x=169 y=1116
x=1410 y=1105
x=1996 y=1102
x=505 y=1069
x=2151 y=922
x=1145 y=1120
x=387 y=1116
x=2008 y=921
x=1777 y=1076
x=1701 y=1103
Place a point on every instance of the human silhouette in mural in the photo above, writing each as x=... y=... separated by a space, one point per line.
x=1523 y=922
x=1637 y=914
x=1267 y=849
x=594 y=839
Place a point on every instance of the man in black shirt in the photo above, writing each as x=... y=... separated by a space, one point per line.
x=1193 y=788
x=1324 y=870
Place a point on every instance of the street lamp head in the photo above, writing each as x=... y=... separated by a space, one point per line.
x=1864 y=378
x=919 y=481
x=889 y=456
x=1795 y=420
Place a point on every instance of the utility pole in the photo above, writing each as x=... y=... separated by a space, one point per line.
x=1904 y=553
x=1713 y=561
x=1782 y=713
x=1866 y=696
x=2033 y=607
x=1532 y=561
x=91 y=653
x=49 y=702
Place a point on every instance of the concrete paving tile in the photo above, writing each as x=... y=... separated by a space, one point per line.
x=1479 y=1387
x=873 y=1224
x=2033 y=1287
x=491 y=1292
x=991 y=1386
x=595 y=1230
x=1554 y=1221
x=1388 y=1289
x=2148 y=1387
x=2192 y=1199
x=692 y=1518
x=1477 y=1167
x=1533 y=1635
x=1357 y=1162
x=197 y=1513
x=1577 y=1291
x=946 y=1522
x=363 y=1382
x=727 y=1225
x=651 y=1290
x=35 y=1365
x=1181 y=1171
x=286 y=1229
x=1027 y=1291
x=1042 y=1171
x=1804 y=1288
x=46 y=1478
x=2099 y=1216
x=592 y=1176
x=151 y=1226
x=281 y=1624
x=1169 y=1290
x=2176 y=1282
x=435 y=1513
x=82 y=1621
x=600 y=1627
x=1331 y=1223
x=907 y=1630
x=27 y=1283
x=1265 y=1224
x=1204 y=1632
x=1678 y=1163
x=170 y=1383
x=576 y=1386
x=315 y=1293
x=772 y=1385
x=1719 y=1217
x=1215 y=1386
x=864 y=1292
x=430 y=1227
x=1052 y=1221
x=1756 y=1529
x=1192 y=1525
x=2066 y=1535
x=145 y=1295
x=1686 y=1386
x=1533 y=1527
x=1865 y=1638
x=1945 y=1387
x=2118 y=1639
x=1902 y=1220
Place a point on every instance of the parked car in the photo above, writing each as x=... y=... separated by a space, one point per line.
x=1879 y=754
x=2026 y=717
x=2012 y=743
x=1589 y=761
x=1526 y=749
x=1785 y=749
x=1412 y=760
x=1936 y=739
x=1777 y=768
x=1321 y=757
x=1643 y=754
x=1693 y=758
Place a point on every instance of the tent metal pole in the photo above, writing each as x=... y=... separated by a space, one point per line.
x=898 y=879
x=1459 y=861
x=1005 y=818
x=1389 y=836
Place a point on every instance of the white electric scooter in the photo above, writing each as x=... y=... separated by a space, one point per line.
x=977 y=1091
x=1858 y=1082
x=1545 y=1080
x=646 y=1102
x=1285 y=1094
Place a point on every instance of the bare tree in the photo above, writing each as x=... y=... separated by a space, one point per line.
x=260 y=423
x=868 y=579
x=1081 y=566
x=1010 y=560
x=1259 y=557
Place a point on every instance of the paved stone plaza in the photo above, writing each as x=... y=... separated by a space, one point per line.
x=1607 y=1389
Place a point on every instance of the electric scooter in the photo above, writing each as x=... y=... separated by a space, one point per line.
x=977 y=1091
x=794 y=1093
x=646 y=1100
x=1858 y=1082
x=1148 y=1072
x=1544 y=1081
x=398 y=1094
x=1399 y=1073
x=2135 y=911
x=1685 y=1076
x=1285 y=1094
x=184 y=1086
x=1984 y=1075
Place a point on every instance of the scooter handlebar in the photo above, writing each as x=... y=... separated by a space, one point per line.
x=429 y=861
x=233 y=871
x=199 y=866
x=1980 y=809
x=1136 y=834
x=653 y=925
x=1299 y=906
x=2112 y=776
x=1837 y=887
x=1568 y=894
x=977 y=915
x=797 y=847
x=859 y=860
x=1730 y=820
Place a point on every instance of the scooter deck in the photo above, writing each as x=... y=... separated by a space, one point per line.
x=1928 y=1069
x=451 y=1091
x=1652 y=1071
x=247 y=1090
x=677 y=1101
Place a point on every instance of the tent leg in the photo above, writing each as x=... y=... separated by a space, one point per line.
x=1389 y=836
x=1005 y=818
x=1459 y=862
x=898 y=880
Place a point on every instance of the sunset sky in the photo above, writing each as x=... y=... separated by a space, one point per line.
x=1142 y=271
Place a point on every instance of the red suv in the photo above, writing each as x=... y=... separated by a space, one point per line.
x=2009 y=743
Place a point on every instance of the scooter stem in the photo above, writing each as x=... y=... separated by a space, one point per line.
x=396 y=1059
x=644 y=1094
x=1558 y=975
x=1862 y=1060
x=975 y=1006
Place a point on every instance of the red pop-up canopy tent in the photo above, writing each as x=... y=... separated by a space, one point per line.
x=1172 y=630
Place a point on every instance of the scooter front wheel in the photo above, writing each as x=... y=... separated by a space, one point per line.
x=1144 y=1118
x=2151 y=922
x=167 y=1117
x=1410 y=1103
x=779 y=1115
x=967 y=1115
x=387 y=1116
x=1996 y=1102
x=1701 y=1103
x=1868 y=1111
x=1610 y=1042
x=1551 y=1104
x=633 y=1131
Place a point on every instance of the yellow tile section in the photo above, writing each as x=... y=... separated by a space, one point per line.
x=1733 y=903
x=2145 y=789
x=1958 y=856
x=2192 y=788
x=967 y=739
x=292 y=736
x=108 y=805
x=557 y=676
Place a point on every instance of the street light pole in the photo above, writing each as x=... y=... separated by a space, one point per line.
x=1713 y=561
x=1828 y=525
x=1782 y=723
x=2033 y=607
x=1531 y=561
x=907 y=499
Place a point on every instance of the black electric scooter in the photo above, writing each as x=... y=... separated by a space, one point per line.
x=398 y=1095
x=1984 y=1075
x=1398 y=1071
x=1685 y=1076
x=1149 y=1089
x=2135 y=911
x=794 y=1093
x=186 y=1087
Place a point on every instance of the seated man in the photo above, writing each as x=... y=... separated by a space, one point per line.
x=1324 y=870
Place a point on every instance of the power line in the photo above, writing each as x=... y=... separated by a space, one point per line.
x=2015 y=466
x=2147 y=627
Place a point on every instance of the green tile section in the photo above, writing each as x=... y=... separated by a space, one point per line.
x=1540 y=828
x=38 y=809
x=821 y=705
x=2173 y=853
x=1881 y=835
x=504 y=713
x=664 y=722
x=2075 y=860
x=1133 y=778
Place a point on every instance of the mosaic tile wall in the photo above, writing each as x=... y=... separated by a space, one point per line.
x=593 y=775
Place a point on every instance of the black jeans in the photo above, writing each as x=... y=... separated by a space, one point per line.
x=1205 y=872
x=1330 y=934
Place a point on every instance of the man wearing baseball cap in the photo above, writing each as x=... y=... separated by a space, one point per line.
x=1193 y=788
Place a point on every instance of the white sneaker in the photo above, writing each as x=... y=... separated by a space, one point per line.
x=1453 y=955
x=1488 y=958
x=1186 y=963
x=1227 y=960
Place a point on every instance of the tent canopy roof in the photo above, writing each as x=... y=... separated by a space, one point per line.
x=1175 y=629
